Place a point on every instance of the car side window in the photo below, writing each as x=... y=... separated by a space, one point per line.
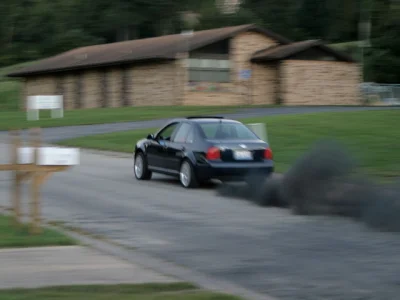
x=190 y=136
x=180 y=136
x=167 y=132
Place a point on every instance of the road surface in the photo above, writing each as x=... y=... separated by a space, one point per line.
x=265 y=250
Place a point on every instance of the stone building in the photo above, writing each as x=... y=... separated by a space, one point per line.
x=225 y=66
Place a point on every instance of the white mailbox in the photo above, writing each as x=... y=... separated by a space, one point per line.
x=50 y=156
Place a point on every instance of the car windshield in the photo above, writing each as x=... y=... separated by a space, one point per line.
x=227 y=131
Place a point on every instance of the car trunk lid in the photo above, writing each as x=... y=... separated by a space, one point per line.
x=241 y=151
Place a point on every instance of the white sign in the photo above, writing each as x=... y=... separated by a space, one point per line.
x=49 y=102
x=187 y=32
x=260 y=129
x=244 y=74
x=50 y=156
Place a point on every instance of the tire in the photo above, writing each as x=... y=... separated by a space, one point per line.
x=140 y=167
x=187 y=177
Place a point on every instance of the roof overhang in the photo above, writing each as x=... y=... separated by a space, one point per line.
x=282 y=52
x=166 y=49
x=89 y=66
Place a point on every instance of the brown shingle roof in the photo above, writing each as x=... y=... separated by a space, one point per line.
x=158 y=48
x=284 y=51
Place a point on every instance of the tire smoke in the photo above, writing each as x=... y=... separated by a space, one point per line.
x=325 y=181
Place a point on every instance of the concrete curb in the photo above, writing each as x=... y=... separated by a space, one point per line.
x=164 y=267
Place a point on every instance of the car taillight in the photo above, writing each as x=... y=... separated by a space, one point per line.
x=268 y=153
x=213 y=153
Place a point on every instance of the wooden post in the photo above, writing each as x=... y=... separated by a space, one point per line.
x=35 y=198
x=16 y=191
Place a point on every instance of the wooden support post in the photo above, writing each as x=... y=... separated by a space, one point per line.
x=16 y=191
x=39 y=173
x=35 y=197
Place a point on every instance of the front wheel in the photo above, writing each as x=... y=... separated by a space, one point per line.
x=187 y=177
x=141 y=168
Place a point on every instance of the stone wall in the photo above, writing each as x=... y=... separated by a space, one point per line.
x=264 y=83
x=114 y=87
x=155 y=84
x=69 y=91
x=150 y=84
x=43 y=85
x=212 y=98
x=91 y=89
x=319 y=83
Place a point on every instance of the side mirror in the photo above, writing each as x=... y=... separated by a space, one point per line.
x=150 y=137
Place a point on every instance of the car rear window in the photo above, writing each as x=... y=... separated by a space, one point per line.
x=227 y=131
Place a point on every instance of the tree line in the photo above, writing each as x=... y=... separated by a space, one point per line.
x=33 y=29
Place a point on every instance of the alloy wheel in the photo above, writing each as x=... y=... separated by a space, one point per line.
x=139 y=166
x=185 y=174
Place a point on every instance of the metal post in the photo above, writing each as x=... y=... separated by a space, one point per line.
x=35 y=213
x=16 y=191
x=364 y=32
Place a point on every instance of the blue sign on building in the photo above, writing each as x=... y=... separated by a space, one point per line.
x=245 y=74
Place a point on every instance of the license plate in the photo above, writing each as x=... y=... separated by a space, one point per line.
x=242 y=155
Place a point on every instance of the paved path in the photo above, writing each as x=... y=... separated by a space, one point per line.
x=52 y=266
x=268 y=251
x=59 y=133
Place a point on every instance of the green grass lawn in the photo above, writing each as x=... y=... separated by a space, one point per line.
x=10 y=88
x=152 y=291
x=12 y=237
x=17 y=119
x=371 y=136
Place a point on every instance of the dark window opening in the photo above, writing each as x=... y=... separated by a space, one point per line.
x=60 y=87
x=125 y=86
x=78 y=90
x=104 y=89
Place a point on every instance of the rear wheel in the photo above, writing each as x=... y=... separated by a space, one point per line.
x=187 y=177
x=141 y=168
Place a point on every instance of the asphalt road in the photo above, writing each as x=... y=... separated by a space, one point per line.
x=59 y=133
x=266 y=250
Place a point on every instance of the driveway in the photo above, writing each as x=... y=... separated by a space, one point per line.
x=265 y=250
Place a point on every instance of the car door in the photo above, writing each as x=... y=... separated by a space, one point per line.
x=178 y=145
x=156 y=149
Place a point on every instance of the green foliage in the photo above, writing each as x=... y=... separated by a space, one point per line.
x=147 y=291
x=34 y=29
x=17 y=119
x=383 y=61
x=13 y=237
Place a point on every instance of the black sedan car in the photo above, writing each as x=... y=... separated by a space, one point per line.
x=197 y=149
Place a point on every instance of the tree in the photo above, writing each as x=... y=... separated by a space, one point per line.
x=383 y=63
